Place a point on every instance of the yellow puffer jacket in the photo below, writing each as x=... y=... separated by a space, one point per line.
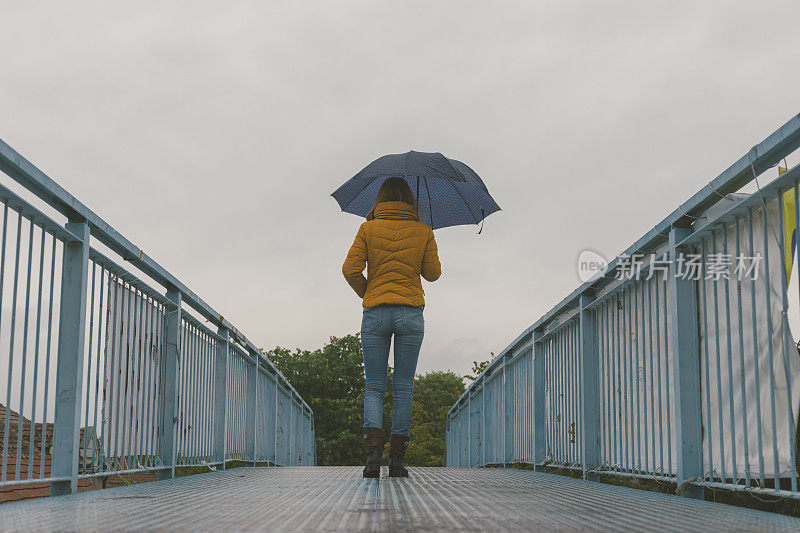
x=396 y=248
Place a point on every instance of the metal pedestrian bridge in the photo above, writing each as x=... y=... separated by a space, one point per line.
x=339 y=499
x=675 y=365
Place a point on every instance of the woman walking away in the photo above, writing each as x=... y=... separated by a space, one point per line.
x=396 y=249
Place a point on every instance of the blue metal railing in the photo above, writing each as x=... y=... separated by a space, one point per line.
x=107 y=373
x=686 y=378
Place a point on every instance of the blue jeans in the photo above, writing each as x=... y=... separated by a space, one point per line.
x=377 y=327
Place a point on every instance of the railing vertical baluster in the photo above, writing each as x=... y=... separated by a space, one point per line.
x=69 y=370
x=292 y=429
x=151 y=383
x=302 y=417
x=169 y=406
x=627 y=387
x=683 y=310
x=288 y=423
x=250 y=407
x=153 y=390
x=221 y=397
x=24 y=365
x=191 y=427
x=275 y=425
x=509 y=409
x=483 y=432
x=589 y=388
x=7 y=418
x=469 y=427
x=539 y=443
x=37 y=357
x=651 y=373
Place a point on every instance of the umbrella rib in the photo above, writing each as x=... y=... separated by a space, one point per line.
x=353 y=199
x=463 y=200
x=430 y=202
x=455 y=170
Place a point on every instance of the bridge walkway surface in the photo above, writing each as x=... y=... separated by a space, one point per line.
x=338 y=499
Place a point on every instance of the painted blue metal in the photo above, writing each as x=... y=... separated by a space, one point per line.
x=742 y=388
x=275 y=421
x=250 y=420
x=34 y=180
x=686 y=377
x=509 y=410
x=589 y=383
x=758 y=159
x=668 y=354
x=196 y=418
x=221 y=395
x=168 y=415
x=482 y=428
x=755 y=352
x=69 y=372
x=537 y=378
x=788 y=344
x=137 y=381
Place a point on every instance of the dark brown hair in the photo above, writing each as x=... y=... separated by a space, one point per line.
x=394 y=190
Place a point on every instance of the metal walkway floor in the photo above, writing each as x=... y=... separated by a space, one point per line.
x=338 y=499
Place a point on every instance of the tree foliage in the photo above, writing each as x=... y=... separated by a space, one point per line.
x=477 y=368
x=434 y=395
x=331 y=380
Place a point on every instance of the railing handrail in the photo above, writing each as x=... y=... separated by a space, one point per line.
x=36 y=181
x=758 y=159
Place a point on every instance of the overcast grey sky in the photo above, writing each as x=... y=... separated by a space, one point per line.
x=212 y=136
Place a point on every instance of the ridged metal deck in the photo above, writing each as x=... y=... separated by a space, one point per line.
x=338 y=499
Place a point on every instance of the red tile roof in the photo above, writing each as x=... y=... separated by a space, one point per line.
x=12 y=493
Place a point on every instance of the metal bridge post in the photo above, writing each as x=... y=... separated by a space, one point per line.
x=683 y=311
x=221 y=397
x=275 y=425
x=483 y=421
x=468 y=462
x=539 y=441
x=301 y=449
x=290 y=438
x=250 y=422
x=589 y=388
x=471 y=432
x=69 y=370
x=509 y=411
x=168 y=416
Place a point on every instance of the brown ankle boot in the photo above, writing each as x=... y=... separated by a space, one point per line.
x=373 y=440
x=397 y=452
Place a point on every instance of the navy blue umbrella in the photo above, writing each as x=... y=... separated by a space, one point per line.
x=448 y=192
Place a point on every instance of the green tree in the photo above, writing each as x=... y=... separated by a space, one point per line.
x=477 y=367
x=331 y=380
x=434 y=395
